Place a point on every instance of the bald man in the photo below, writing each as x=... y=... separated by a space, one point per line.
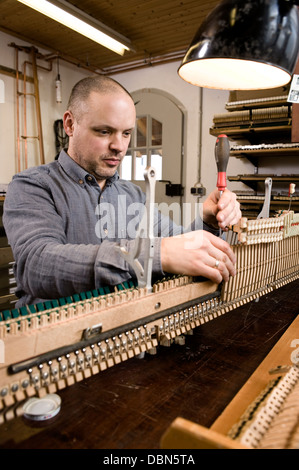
x=65 y=219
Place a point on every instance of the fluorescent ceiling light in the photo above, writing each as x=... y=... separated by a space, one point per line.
x=95 y=33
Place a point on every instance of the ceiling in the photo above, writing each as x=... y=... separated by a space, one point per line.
x=160 y=31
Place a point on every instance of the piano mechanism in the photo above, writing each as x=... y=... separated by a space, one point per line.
x=264 y=414
x=255 y=113
x=47 y=347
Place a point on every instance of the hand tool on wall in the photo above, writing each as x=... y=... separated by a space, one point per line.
x=291 y=192
x=265 y=212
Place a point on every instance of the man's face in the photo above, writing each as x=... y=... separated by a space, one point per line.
x=99 y=137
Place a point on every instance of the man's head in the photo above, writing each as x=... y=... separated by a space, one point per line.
x=99 y=121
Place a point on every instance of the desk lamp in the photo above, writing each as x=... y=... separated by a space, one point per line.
x=244 y=45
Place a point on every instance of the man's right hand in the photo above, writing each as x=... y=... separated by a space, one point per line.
x=198 y=253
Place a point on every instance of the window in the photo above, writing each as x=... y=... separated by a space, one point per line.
x=145 y=150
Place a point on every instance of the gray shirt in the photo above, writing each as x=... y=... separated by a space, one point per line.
x=63 y=230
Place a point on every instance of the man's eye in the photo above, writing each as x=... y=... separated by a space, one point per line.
x=102 y=131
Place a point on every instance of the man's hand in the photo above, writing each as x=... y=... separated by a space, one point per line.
x=198 y=253
x=221 y=212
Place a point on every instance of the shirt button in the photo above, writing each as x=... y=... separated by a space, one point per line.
x=89 y=178
x=81 y=181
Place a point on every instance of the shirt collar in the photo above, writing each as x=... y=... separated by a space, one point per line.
x=77 y=173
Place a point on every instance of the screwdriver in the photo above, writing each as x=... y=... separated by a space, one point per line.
x=222 y=150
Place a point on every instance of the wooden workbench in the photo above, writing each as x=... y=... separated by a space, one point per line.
x=131 y=405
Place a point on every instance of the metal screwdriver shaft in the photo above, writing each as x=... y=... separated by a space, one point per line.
x=222 y=150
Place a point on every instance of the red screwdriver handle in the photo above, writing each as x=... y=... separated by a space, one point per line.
x=222 y=150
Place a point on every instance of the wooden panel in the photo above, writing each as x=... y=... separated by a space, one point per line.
x=184 y=434
x=279 y=356
x=155 y=28
x=131 y=405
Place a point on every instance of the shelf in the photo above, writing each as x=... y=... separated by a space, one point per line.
x=276 y=152
x=254 y=154
x=252 y=208
x=267 y=102
x=281 y=178
x=253 y=180
x=252 y=132
x=269 y=134
x=273 y=202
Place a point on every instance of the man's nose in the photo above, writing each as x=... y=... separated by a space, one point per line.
x=118 y=143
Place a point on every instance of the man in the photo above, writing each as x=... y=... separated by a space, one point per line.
x=65 y=219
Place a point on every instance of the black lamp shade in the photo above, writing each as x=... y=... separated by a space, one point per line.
x=244 y=45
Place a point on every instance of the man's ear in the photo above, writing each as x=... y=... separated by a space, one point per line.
x=68 y=123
